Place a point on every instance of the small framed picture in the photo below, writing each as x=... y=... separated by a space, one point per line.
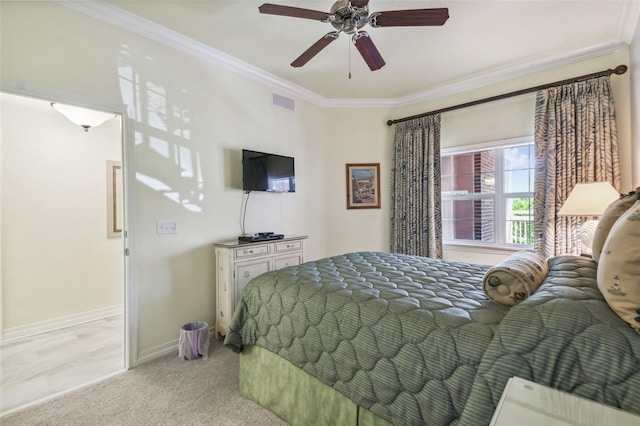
x=363 y=186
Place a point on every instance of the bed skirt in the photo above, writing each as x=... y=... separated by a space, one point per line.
x=295 y=396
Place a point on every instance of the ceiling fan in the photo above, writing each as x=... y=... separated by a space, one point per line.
x=349 y=17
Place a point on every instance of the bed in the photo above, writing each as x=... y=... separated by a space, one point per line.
x=374 y=338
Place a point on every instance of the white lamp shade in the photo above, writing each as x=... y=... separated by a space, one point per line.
x=589 y=199
x=82 y=117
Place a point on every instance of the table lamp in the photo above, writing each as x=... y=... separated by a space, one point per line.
x=588 y=199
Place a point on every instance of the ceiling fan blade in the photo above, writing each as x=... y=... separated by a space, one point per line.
x=359 y=3
x=295 y=12
x=409 y=18
x=368 y=50
x=314 y=49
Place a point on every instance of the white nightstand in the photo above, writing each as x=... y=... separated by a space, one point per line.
x=525 y=403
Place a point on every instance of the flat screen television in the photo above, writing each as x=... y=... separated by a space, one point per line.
x=267 y=172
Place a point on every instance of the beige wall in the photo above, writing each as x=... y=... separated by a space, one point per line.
x=188 y=122
x=57 y=260
x=368 y=140
x=634 y=63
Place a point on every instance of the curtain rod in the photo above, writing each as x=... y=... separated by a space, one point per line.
x=620 y=69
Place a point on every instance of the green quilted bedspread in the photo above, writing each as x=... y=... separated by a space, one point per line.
x=416 y=341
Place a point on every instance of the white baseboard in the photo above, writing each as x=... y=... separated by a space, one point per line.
x=14 y=333
x=165 y=349
x=158 y=351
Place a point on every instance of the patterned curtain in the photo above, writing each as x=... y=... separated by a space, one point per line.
x=575 y=142
x=416 y=222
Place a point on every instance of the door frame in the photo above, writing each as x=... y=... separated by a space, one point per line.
x=49 y=94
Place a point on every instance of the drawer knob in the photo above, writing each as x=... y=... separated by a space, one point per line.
x=221 y=314
x=247 y=274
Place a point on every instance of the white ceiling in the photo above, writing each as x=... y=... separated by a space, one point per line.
x=481 y=38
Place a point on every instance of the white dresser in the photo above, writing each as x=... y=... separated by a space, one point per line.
x=238 y=263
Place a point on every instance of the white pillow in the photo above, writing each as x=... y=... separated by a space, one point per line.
x=609 y=217
x=619 y=267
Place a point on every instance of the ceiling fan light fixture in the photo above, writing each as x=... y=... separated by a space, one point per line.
x=348 y=18
x=83 y=117
x=349 y=26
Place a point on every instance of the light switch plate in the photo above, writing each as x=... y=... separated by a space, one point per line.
x=167 y=227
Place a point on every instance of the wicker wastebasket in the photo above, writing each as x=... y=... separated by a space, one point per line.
x=194 y=340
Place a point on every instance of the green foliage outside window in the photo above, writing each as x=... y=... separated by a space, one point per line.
x=522 y=230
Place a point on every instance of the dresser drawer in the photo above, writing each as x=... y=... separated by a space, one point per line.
x=284 y=261
x=288 y=246
x=254 y=250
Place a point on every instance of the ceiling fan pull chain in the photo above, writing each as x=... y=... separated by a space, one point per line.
x=349 y=49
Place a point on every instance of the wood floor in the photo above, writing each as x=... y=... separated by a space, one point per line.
x=39 y=367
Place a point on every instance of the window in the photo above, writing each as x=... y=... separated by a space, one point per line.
x=487 y=193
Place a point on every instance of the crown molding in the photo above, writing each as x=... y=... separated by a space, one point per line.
x=135 y=24
x=128 y=21
x=513 y=72
x=629 y=17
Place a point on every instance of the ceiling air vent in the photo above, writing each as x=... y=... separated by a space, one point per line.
x=282 y=102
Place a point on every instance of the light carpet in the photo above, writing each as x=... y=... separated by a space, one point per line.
x=166 y=391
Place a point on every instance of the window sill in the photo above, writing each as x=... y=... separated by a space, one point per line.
x=498 y=249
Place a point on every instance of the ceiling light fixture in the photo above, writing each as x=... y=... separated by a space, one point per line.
x=83 y=117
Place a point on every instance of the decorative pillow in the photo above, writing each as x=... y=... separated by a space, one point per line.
x=609 y=217
x=515 y=278
x=619 y=267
